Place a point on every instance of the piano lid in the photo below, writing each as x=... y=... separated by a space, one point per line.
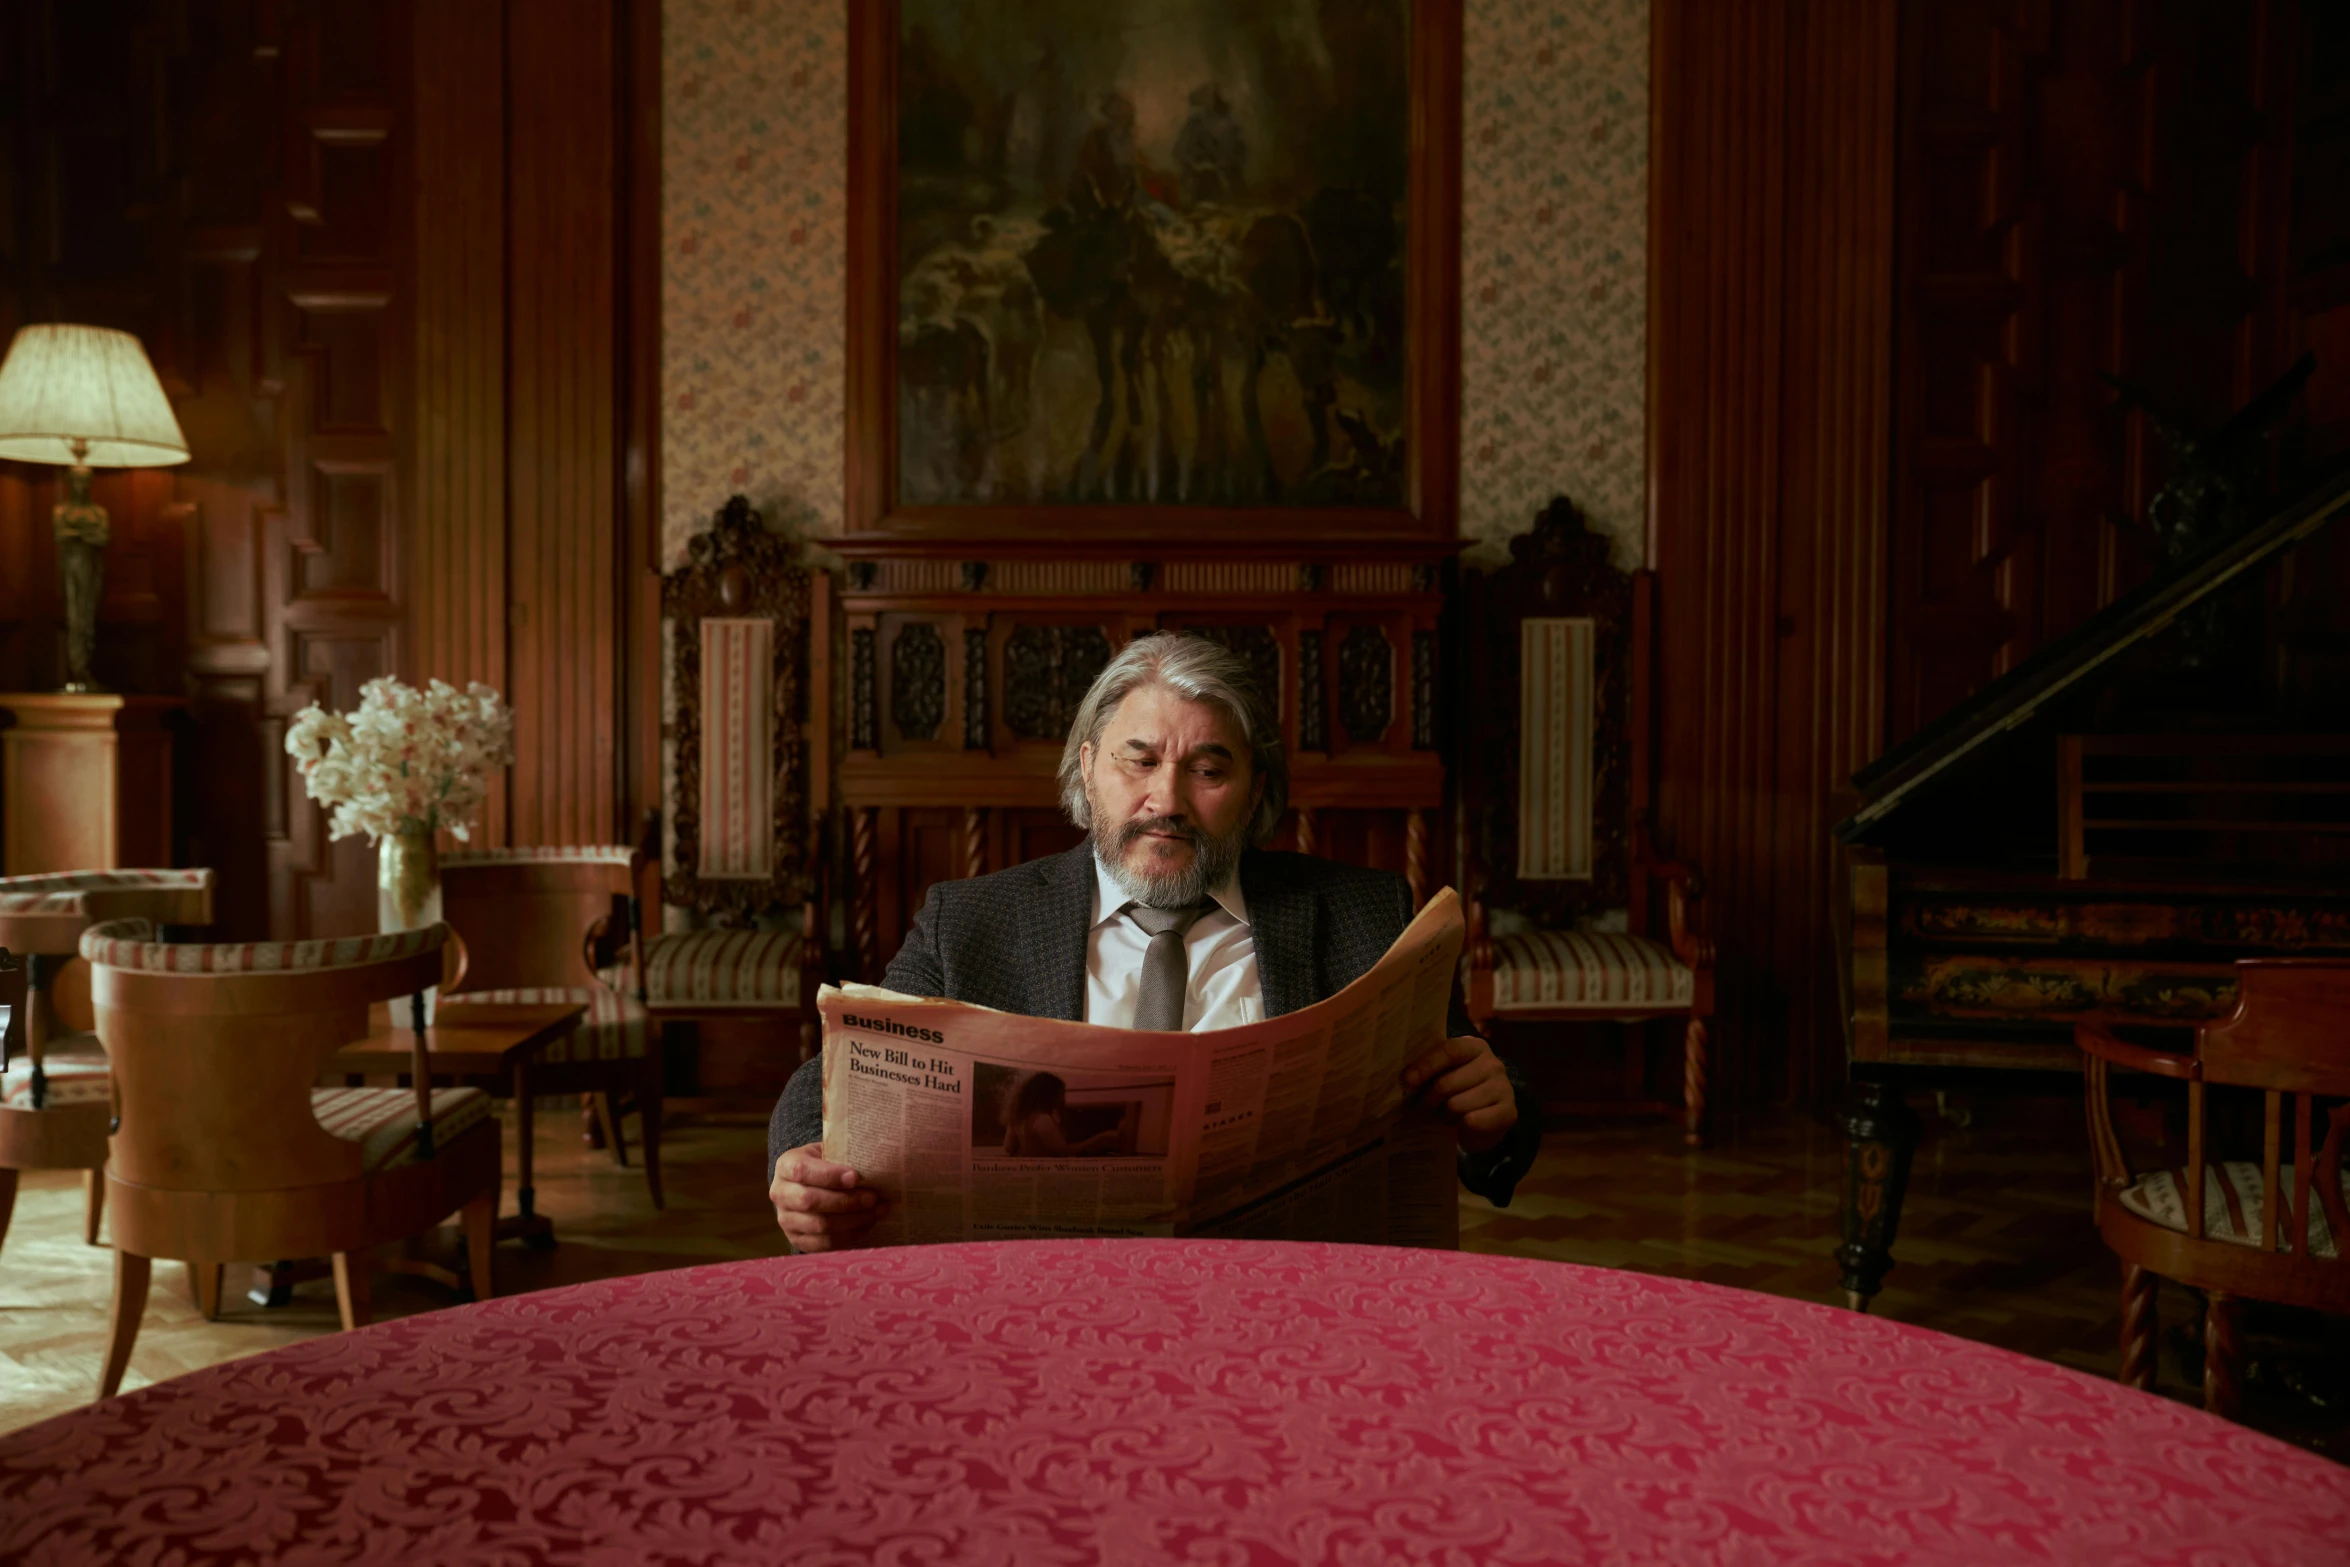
x=2015 y=697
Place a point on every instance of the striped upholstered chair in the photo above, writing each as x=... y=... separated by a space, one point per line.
x=224 y=1150
x=56 y=1097
x=747 y=624
x=1553 y=785
x=563 y=925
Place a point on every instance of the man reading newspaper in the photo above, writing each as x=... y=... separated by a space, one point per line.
x=1167 y=917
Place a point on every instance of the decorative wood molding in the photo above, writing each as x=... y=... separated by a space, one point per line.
x=1047 y=671
x=918 y=680
x=1312 y=713
x=1560 y=568
x=974 y=689
x=864 y=725
x=1366 y=684
x=740 y=570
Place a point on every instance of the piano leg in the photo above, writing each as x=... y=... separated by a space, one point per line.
x=1881 y=1134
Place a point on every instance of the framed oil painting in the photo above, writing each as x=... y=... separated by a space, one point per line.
x=1153 y=269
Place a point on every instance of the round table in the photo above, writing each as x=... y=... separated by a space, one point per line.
x=1147 y=1401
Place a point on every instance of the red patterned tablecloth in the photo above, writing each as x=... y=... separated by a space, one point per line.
x=1147 y=1401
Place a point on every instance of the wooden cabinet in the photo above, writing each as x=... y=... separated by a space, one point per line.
x=85 y=781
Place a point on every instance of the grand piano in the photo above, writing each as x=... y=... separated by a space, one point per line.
x=2098 y=834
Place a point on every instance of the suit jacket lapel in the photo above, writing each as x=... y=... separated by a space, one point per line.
x=1281 y=919
x=1055 y=910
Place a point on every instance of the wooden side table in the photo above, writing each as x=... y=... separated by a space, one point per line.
x=85 y=781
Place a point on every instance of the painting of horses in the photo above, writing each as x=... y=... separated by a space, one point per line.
x=1152 y=252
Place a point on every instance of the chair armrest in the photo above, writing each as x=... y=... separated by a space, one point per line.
x=1683 y=888
x=2097 y=1040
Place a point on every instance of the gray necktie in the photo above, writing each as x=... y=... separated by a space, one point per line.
x=1165 y=967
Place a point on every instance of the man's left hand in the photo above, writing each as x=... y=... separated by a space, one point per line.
x=1467 y=1081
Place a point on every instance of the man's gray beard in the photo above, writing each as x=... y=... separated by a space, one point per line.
x=1213 y=861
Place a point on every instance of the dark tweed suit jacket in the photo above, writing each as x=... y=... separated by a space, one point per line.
x=1015 y=941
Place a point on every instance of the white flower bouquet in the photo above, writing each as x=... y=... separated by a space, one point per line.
x=408 y=762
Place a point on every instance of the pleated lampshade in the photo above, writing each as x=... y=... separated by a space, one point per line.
x=62 y=383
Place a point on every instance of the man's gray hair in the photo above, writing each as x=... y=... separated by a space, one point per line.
x=1199 y=671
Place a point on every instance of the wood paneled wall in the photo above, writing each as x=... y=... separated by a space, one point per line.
x=1770 y=367
x=1894 y=245
x=379 y=250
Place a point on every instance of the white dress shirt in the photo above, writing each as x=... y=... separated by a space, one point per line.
x=1221 y=990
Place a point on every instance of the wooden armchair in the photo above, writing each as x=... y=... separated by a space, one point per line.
x=1553 y=781
x=2271 y=1231
x=223 y=1151
x=750 y=706
x=564 y=925
x=55 y=1096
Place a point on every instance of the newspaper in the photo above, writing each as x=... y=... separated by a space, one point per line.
x=986 y=1125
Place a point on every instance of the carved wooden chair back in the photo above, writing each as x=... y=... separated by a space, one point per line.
x=748 y=716
x=1553 y=788
x=1555 y=730
x=2274 y=1230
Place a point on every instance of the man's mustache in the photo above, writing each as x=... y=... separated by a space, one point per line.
x=1173 y=826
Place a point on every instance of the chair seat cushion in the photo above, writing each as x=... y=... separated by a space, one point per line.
x=617 y=1027
x=382 y=1121
x=2233 y=1200
x=724 y=968
x=1578 y=969
x=75 y=1067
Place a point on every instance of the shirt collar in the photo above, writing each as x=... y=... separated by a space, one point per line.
x=1109 y=902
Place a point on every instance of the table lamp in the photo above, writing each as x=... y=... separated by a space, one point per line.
x=85 y=397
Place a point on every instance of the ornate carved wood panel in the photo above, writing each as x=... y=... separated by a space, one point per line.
x=965 y=675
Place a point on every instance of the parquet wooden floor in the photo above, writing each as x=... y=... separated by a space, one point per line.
x=1997 y=1244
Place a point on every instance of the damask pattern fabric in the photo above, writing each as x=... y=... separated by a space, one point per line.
x=724 y=968
x=617 y=1026
x=61 y=892
x=131 y=944
x=1575 y=968
x=382 y=1121
x=1077 y=1402
x=2234 y=1199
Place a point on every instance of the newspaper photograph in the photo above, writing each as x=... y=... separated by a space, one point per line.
x=987 y=1125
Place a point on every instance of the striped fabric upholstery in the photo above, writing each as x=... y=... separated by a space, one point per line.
x=131 y=944
x=2233 y=1199
x=556 y=854
x=61 y=892
x=78 y=1079
x=1587 y=969
x=1555 y=717
x=382 y=1121
x=617 y=1027
x=724 y=968
x=738 y=749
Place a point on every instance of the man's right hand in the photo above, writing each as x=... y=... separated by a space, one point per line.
x=821 y=1206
